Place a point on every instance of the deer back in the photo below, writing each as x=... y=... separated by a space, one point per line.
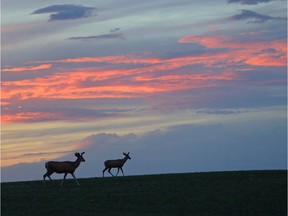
x=61 y=167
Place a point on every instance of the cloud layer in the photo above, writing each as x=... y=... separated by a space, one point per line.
x=259 y=18
x=99 y=37
x=181 y=148
x=114 y=34
x=249 y=2
x=223 y=59
x=66 y=12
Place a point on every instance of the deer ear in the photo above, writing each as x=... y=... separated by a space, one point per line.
x=82 y=153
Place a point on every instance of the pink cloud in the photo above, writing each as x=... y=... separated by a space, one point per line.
x=74 y=84
x=148 y=76
x=29 y=68
x=251 y=52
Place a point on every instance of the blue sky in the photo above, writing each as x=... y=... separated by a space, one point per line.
x=184 y=86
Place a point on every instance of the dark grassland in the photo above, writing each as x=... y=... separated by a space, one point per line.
x=245 y=193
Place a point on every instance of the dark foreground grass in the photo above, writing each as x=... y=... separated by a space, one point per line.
x=248 y=193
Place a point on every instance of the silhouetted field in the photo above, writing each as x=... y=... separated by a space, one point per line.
x=245 y=193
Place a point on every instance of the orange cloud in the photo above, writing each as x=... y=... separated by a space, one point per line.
x=152 y=75
x=30 y=68
x=254 y=53
x=104 y=84
x=101 y=82
x=25 y=116
x=266 y=59
x=211 y=41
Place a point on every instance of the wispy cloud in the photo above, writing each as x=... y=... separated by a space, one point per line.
x=113 y=34
x=220 y=112
x=29 y=68
x=66 y=12
x=137 y=76
x=29 y=115
x=124 y=82
x=36 y=154
x=249 y=2
x=254 y=53
x=258 y=18
x=99 y=37
x=119 y=59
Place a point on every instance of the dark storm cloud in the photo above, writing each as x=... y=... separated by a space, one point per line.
x=251 y=2
x=258 y=18
x=66 y=12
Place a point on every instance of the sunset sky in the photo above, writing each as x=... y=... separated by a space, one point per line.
x=183 y=85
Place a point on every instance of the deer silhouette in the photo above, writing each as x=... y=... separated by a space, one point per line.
x=63 y=167
x=109 y=164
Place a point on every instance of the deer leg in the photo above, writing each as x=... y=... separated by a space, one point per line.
x=104 y=170
x=44 y=176
x=47 y=174
x=117 y=171
x=75 y=178
x=122 y=171
x=64 y=178
x=109 y=171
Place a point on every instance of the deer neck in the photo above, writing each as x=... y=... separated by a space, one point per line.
x=124 y=159
x=77 y=162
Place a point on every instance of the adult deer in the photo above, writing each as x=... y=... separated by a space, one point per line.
x=109 y=164
x=63 y=167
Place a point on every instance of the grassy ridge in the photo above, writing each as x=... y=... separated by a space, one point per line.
x=202 y=194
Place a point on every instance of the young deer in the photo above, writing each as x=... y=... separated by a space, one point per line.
x=109 y=164
x=63 y=167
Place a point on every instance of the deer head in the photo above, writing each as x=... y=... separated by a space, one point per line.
x=127 y=155
x=80 y=156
